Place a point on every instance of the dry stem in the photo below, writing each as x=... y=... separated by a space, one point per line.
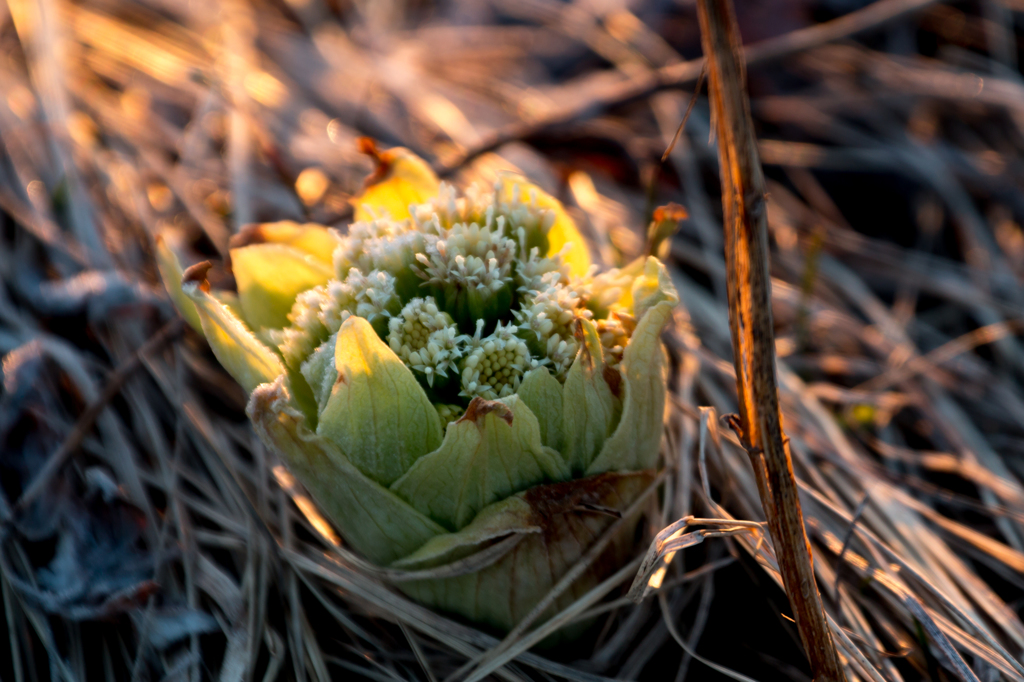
x=753 y=339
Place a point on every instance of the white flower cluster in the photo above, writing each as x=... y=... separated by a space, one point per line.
x=524 y=215
x=535 y=272
x=474 y=261
x=355 y=247
x=550 y=313
x=425 y=338
x=615 y=333
x=307 y=330
x=469 y=256
x=605 y=289
x=320 y=312
x=495 y=365
x=364 y=295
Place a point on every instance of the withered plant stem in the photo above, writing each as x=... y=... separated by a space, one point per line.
x=753 y=338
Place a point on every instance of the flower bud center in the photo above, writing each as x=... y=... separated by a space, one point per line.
x=495 y=365
x=425 y=338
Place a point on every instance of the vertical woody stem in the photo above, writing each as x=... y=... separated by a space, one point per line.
x=750 y=321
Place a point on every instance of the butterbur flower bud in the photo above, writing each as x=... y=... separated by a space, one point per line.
x=614 y=333
x=535 y=273
x=352 y=249
x=546 y=319
x=383 y=245
x=307 y=329
x=375 y=294
x=469 y=270
x=495 y=364
x=426 y=340
x=525 y=216
x=447 y=375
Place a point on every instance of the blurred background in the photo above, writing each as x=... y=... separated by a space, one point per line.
x=146 y=534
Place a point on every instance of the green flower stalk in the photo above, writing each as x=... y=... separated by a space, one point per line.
x=447 y=376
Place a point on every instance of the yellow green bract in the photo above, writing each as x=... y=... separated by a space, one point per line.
x=448 y=375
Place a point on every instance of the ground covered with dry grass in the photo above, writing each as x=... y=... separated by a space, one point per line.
x=147 y=534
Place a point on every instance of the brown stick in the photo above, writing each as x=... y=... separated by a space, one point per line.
x=753 y=338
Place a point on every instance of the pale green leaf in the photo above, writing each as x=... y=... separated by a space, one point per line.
x=170 y=272
x=378 y=524
x=652 y=287
x=590 y=409
x=269 y=277
x=542 y=393
x=635 y=443
x=492 y=452
x=377 y=412
x=302 y=396
x=237 y=349
x=501 y=519
x=500 y=594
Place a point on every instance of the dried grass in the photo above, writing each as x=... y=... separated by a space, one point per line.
x=901 y=368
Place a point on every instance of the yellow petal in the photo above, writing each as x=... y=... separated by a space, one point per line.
x=401 y=179
x=316 y=240
x=269 y=277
